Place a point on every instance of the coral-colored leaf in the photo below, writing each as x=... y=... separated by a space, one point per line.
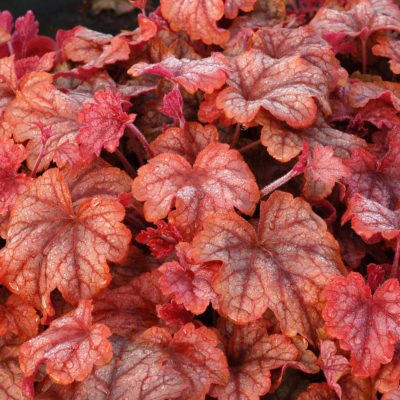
x=69 y=347
x=103 y=124
x=392 y=395
x=322 y=171
x=219 y=180
x=197 y=17
x=284 y=143
x=372 y=87
x=206 y=74
x=361 y=18
x=369 y=218
x=261 y=270
x=286 y=88
x=232 y=7
x=161 y=240
x=280 y=42
x=174 y=313
x=93 y=48
x=38 y=101
x=190 y=283
x=367 y=325
x=333 y=365
x=55 y=243
x=12 y=184
x=389 y=48
x=19 y=318
x=388 y=377
x=187 y=141
x=8 y=81
x=252 y=354
x=11 y=376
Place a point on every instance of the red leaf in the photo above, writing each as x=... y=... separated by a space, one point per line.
x=174 y=313
x=103 y=124
x=252 y=353
x=377 y=274
x=280 y=42
x=389 y=48
x=284 y=143
x=219 y=180
x=374 y=179
x=206 y=74
x=38 y=101
x=388 y=377
x=260 y=271
x=55 y=243
x=333 y=365
x=173 y=106
x=198 y=18
x=70 y=347
x=26 y=28
x=190 y=283
x=322 y=171
x=12 y=184
x=393 y=395
x=366 y=325
x=188 y=142
x=288 y=96
x=232 y=7
x=93 y=48
x=360 y=18
x=369 y=218
x=162 y=240
x=18 y=318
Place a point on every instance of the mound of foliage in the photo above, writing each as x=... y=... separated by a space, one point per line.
x=203 y=206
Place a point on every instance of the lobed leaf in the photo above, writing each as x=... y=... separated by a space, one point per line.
x=262 y=271
x=366 y=325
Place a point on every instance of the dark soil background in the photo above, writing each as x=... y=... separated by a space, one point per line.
x=65 y=14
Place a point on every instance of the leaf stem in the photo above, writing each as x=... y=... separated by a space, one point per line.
x=249 y=146
x=135 y=134
x=280 y=181
x=395 y=265
x=364 y=55
x=236 y=136
x=127 y=165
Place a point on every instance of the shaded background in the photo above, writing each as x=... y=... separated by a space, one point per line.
x=65 y=14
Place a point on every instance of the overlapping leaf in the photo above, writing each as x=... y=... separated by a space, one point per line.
x=280 y=42
x=262 y=271
x=197 y=17
x=38 y=101
x=70 y=347
x=389 y=48
x=287 y=88
x=252 y=354
x=187 y=141
x=366 y=325
x=55 y=243
x=102 y=124
x=219 y=180
x=206 y=74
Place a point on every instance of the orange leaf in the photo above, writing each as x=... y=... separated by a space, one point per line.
x=197 y=17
